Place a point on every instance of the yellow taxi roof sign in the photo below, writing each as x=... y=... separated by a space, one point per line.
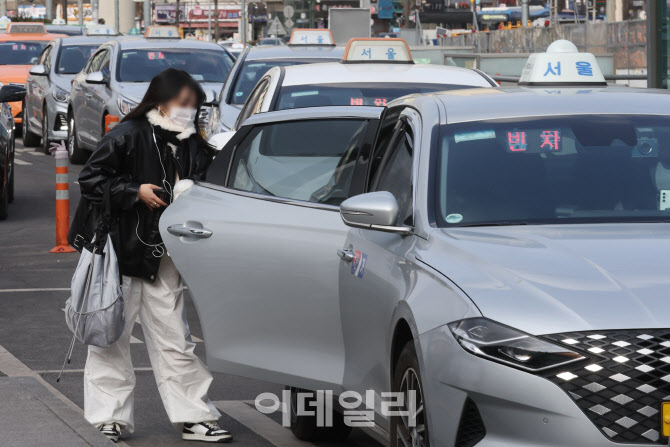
x=26 y=28
x=562 y=65
x=386 y=50
x=311 y=36
x=101 y=30
x=162 y=32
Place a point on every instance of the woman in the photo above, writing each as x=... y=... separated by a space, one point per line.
x=144 y=157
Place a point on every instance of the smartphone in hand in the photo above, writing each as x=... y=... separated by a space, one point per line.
x=162 y=194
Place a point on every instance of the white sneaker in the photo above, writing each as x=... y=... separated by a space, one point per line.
x=205 y=431
x=112 y=431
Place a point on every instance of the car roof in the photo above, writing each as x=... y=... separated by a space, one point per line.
x=335 y=72
x=294 y=52
x=86 y=40
x=500 y=103
x=29 y=37
x=141 y=43
x=331 y=112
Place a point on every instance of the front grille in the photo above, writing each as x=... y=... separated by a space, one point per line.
x=471 y=430
x=621 y=387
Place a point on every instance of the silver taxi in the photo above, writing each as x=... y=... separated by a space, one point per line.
x=48 y=87
x=117 y=75
x=496 y=256
x=356 y=80
x=254 y=62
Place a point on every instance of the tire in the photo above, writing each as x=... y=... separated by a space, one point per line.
x=45 y=131
x=4 y=202
x=12 y=175
x=407 y=376
x=305 y=427
x=76 y=154
x=29 y=139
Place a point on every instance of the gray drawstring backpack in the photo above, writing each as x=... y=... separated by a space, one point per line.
x=94 y=311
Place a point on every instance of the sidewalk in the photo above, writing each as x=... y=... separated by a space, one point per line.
x=30 y=415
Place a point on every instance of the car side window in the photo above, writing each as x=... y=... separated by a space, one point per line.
x=308 y=160
x=395 y=175
x=254 y=103
x=95 y=62
x=45 y=58
x=104 y=65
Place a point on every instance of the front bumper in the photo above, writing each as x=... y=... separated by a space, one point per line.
x=517 y=408
x=57 y=119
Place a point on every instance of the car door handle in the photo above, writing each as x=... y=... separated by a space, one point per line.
x=345 y=254
x=89 y=95
x=182 y=230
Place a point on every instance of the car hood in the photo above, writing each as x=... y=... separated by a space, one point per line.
x=14 y=73
x=562 y=278
x=212 y=90
x=63 y=82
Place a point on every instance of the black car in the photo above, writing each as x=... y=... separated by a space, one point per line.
x=8 y=93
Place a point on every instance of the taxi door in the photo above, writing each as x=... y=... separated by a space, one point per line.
x=96 y=103
x=258 y=249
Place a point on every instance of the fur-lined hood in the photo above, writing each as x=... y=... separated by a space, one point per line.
x=156 y=119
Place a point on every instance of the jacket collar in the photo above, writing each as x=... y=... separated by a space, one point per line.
x=156 y=119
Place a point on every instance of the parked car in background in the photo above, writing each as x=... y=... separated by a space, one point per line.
x=48 y=86
x=68 y=30
x=20 y=49
x=269 y=41
x=254 y=62
x=388 y=73
x=118 y=74
x=8 y=93
x=234 y=48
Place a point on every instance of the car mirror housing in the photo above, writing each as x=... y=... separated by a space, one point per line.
x=38 y=70
x=12 y=93
x=373 y=211
x=96 y=77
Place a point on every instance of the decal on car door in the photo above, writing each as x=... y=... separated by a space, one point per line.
x=358 y=263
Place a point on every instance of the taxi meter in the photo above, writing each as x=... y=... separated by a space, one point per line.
x=101 y=30
x=379 y=50
x=562 y=64
x=162 y=32
x=309 y=36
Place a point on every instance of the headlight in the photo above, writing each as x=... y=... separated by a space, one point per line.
x=60 y=95
x=503 y=344
x=125 y=106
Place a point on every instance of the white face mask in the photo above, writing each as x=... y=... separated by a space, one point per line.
x=183 y=116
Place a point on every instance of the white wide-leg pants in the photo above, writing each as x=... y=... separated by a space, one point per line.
x=183 y=380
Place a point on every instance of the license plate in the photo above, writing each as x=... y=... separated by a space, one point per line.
x=665 y=419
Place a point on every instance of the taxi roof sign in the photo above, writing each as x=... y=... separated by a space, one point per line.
x=311 y=36
x=162 y=32
x=27 y=28
x=101 y=30
x=564 y=65
x=379 y=50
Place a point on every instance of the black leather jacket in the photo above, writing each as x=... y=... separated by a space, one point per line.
x=128 y=157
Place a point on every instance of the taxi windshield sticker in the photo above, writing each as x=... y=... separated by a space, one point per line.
x=533 y=141
x=358 y=264
x=473 y=136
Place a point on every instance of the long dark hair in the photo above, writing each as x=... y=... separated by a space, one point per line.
x=165 y=86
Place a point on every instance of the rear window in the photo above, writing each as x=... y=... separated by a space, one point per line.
x=72 y=58
x=359 y=94
x=141 y=65
x=21 y=53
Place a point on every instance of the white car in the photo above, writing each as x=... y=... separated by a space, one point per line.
x=353 y=81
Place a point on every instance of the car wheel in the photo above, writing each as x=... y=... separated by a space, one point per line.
x=10 y=183
x=45 y=132
x=29 y=139
x=405 y=430
x=76 y=154
x=4 y=201
x=305 y=427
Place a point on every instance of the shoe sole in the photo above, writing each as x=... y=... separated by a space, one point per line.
x=205 y=438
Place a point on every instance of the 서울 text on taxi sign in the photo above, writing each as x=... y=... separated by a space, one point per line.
x=377 y=50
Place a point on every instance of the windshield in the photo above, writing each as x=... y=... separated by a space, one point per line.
x=21 y=53
x=582 y=169
x=203 y=65
x=252 y=71
x=72 y=58
x=359 y=94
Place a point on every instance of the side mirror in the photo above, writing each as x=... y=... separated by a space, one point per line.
x=373 y=211
x=219 y=140
x=12 y=93
x=38 y=70
x=96 y=77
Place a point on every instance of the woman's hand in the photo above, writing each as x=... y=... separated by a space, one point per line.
x=146 y=195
